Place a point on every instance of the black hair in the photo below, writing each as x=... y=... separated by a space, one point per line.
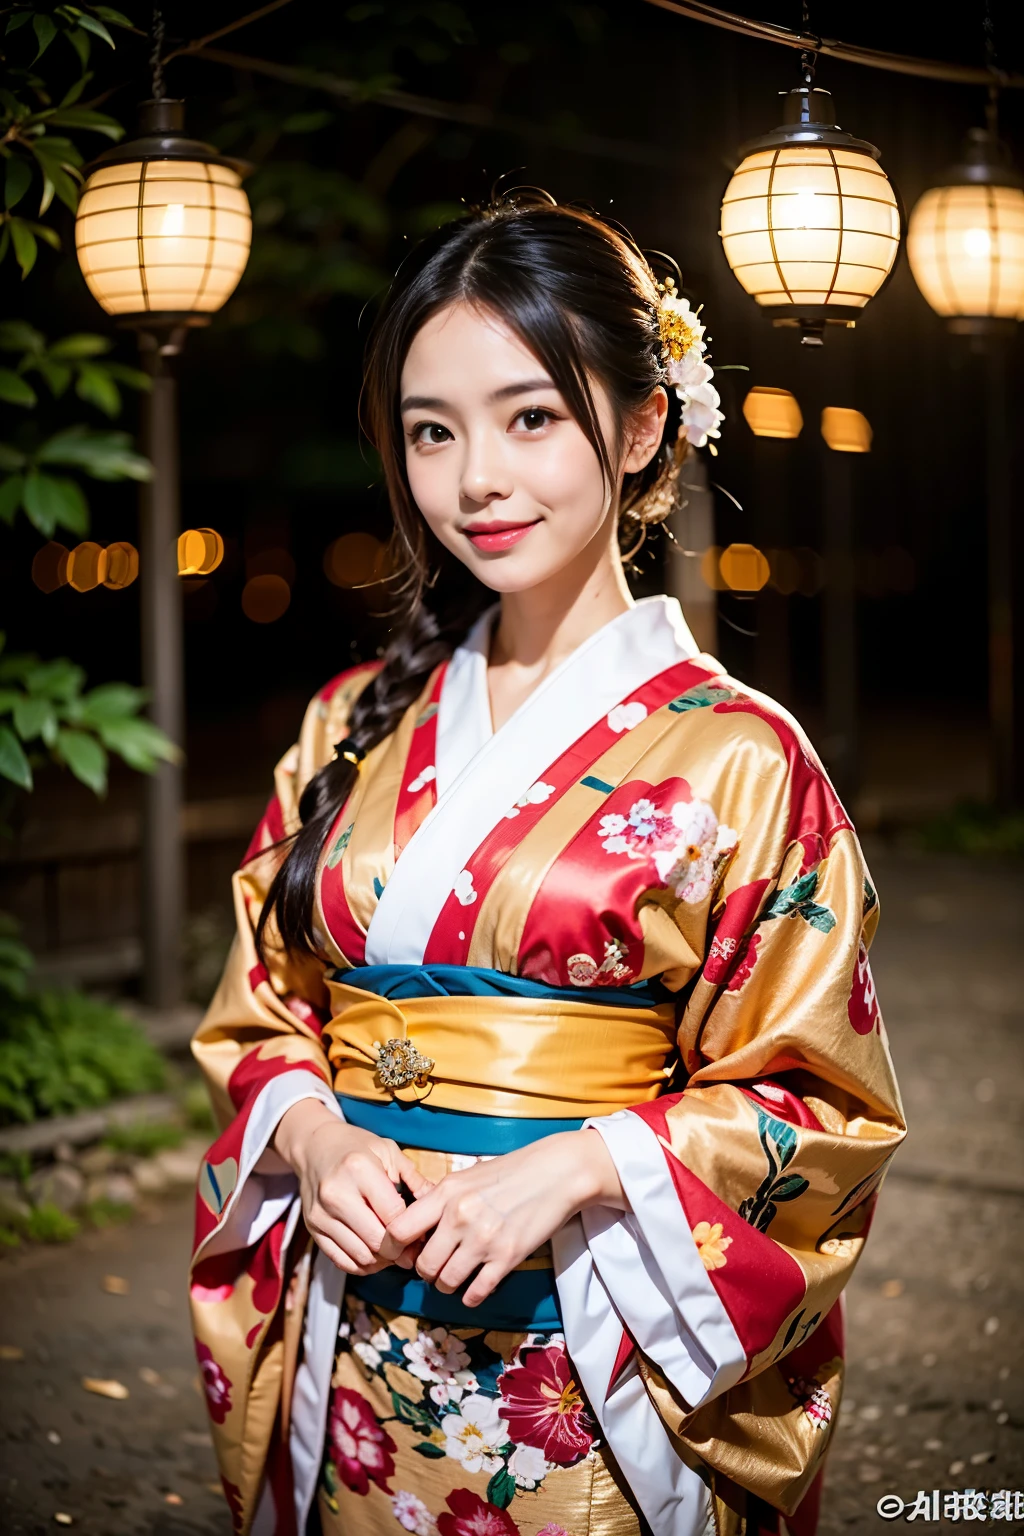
x=583 y=298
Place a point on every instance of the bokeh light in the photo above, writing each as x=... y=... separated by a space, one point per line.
x=772 y=412
x=200 y=551
x=265 y=598
x=274 y=561
x=122 y=566
x=785 y=570
x=50 y=567
x=87 y=566
x=744 y=568
x=356 y=560
x=846 y=431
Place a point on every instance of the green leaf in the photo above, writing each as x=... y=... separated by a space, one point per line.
x=103 y=455
x=53 y=501
x=11 y=458
x=97 y=28
x=501 y=1489
x=142 y=745
x=34 y=717
x=57 y=375
x=97 y=388
x=14 y=765
x=789 y=1188
x=14 y=389
x=135 y=378
x=25 y=248
x=427 y=1448
x=57 y=679
x=83 y=118
x=10 y=497
x=18 y=20
x=19 y=336
x=86 y=758
x=45 y=32
x=112 y=701
x=115 y=18
x=80 y=43
x=17 y=180
x=81 y=344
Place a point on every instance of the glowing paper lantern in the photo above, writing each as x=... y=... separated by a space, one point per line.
x=965 y=243
x=846 y=431
x=810 y=223
x=163 y=225
x=200 y=551
x=772 y=412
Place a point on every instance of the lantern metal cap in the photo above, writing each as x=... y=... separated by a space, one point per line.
x=808 y=118
x=161 y=138
x=985 y=161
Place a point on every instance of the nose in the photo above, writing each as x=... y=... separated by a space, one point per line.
x=485 y=471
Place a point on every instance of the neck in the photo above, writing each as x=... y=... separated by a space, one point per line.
x=539 y=627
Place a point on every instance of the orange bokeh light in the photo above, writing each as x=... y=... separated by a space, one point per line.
x=265 y=598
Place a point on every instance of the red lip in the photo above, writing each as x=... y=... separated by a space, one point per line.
x=498 y=526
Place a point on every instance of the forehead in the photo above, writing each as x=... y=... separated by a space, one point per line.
x=464 y=349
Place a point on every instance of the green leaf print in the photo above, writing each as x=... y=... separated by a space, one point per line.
x=427 y=1448
x=795 y=901
x=760 y=1209
x=700 y=697
x=501 y=1489
x=413 y=1414
x=335 y=856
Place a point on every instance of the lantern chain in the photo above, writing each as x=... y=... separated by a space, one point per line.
x=809 y=57
x=156 y=53
x=992 y=105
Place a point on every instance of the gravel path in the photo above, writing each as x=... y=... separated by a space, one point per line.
x=935 y=1309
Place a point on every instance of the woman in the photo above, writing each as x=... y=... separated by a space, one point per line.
x=555 y=1095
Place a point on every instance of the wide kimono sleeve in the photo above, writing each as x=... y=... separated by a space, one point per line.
x=259 y=1050
x=711 y=1312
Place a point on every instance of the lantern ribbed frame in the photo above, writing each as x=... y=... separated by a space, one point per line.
x=163 y=236
x=787 y=263
x=965 y=245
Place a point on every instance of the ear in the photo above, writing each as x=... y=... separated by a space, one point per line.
x=644 y=432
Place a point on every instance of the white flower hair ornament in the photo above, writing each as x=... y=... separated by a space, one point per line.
x=686 y=367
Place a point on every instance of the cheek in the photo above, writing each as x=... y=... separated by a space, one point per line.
x=433 y=486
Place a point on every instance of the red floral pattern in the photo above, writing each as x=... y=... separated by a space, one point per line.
x=543 y=1406
x=360 y=1448
x=473 y=1516
x=744 y=964
x=215 y=1384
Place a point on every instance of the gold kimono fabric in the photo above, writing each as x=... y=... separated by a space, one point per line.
x=696 y=842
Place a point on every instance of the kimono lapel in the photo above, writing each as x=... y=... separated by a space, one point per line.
x=489 y=772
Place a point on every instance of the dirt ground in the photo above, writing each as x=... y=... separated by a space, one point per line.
x=935 y=1310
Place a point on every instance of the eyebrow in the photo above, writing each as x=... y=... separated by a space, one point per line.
x=507 y=392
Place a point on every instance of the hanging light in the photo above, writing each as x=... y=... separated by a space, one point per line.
x=163 y=226
x=965 y=243
x=772 y=412
x=810 y=222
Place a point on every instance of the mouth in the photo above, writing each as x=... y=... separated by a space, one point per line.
x=497 y=535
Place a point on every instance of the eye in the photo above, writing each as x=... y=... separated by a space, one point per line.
x=534 y=418
x=430 y=434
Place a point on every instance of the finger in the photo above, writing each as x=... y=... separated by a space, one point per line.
x=339 y=1259
x=437 y=1252
x=411 y=1177
x=379 y=1192
x=346 y=1209
x=460 y=1266
x=484 y=1284
x=408 y=1256
x=416 y=1220
x=341 y=1236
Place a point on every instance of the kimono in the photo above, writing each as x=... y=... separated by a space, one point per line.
x=638 y=906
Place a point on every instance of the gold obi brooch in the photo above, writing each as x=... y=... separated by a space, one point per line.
x=533 y=1057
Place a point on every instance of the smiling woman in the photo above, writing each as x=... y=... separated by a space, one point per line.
x=554 y=1092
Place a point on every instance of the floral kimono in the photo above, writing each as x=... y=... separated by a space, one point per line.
x=637 y=906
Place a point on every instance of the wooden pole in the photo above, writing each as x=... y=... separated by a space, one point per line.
x=841 y=745
x=163 y=865
x=1005 y=765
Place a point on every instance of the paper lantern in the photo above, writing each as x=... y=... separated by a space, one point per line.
x=810 y=222
x=772 y=412
x=163 y=226
x=846 y=431
x=965 y=243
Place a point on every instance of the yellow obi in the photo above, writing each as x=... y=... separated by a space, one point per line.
x=499 y=1055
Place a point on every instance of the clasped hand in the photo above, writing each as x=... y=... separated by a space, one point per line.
x=481 y=1221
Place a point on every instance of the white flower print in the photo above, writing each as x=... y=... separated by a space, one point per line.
x=687 y=846
x=425 y=776
x=439 y=1357
x=464 y=887
x=625 y=716
x=369 y=1346
x=771 y=1091
x=535 y=795
x=412 y=1514
x=528 y=1466
x=474 y=1434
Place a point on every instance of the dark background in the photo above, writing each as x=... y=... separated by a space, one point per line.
x=639 y=114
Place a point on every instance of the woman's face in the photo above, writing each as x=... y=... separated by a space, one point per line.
x=499 y=468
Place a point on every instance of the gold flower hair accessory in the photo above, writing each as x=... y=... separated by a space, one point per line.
x=686 y=367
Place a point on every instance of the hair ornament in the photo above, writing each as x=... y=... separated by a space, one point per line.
x=683 y=351
x=350 y=751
